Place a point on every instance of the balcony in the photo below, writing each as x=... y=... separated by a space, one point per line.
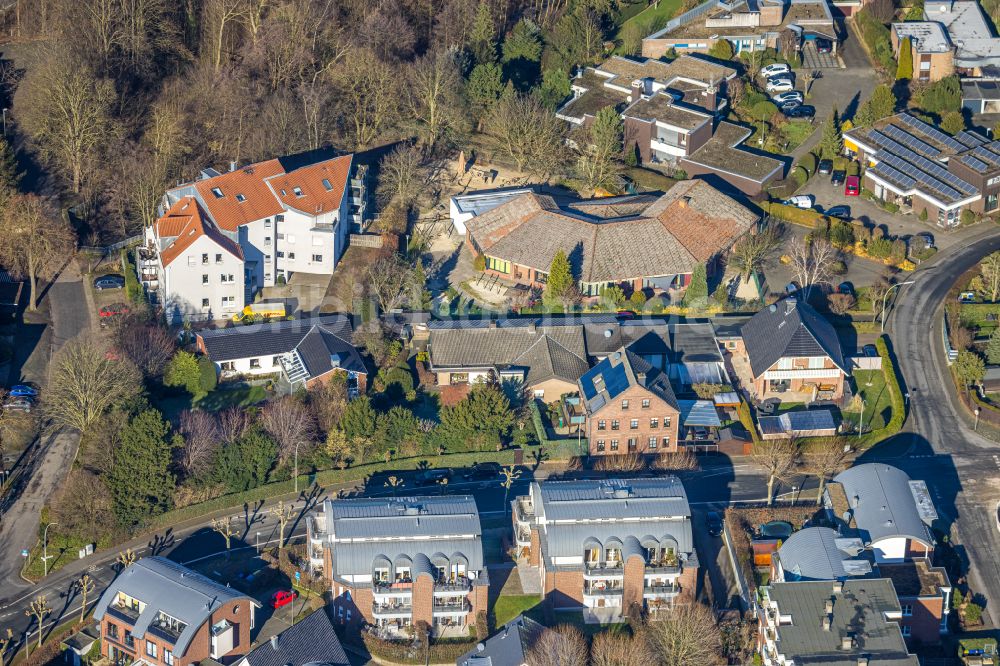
x=611 y=569
x=591 y=589
x=522 y=537
x=462 y=607
x=660 y=591
x=126 y=613
x=663 y=568
x=460 y=585
x=524 y=511
x=392 y=610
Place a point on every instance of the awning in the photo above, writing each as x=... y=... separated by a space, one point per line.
x=699 y=413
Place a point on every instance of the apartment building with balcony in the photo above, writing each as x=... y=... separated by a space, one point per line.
x=606 y=546
x=282 y=216
x=394 y=564
x=850 y=623
x=160 y=613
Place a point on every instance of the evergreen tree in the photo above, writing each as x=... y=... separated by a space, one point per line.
x=904 y=70
x=10 y=177
x=993 y=347
x=523 y=43
x=560 y=280
x=696 y=295
x=832 y=142
x=482 y=40
x=599 y=160
x=722 y=49
x=942 y=96
x=483 y=419
x=555 y=87
x=953 y=122
x=245 y=464
x=140 y=481
x=883 y=102
x=969 y=367
x=183 y=371
x=485 y=86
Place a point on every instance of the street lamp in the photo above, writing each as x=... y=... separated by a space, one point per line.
x=861 y=423
x=976 y=429
x=887 y=292
x=45 y=550
x=258 y=543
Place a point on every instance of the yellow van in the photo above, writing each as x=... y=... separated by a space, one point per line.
x=260 y=312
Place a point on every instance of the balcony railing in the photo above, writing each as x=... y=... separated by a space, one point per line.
x=663 y=568
x=661 y=590
x=383 y=587
x=613 y=564
x=386 y=610
x=523 y=511
x=126 y=613
x=462 y=606
x=594 y=591
x=457 y=585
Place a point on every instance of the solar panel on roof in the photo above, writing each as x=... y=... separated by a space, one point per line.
x=909 y=140
x=918 y=176
x=970 y=139
x=931 y=131
x=898 y=177
x=985 y=154
x=975 y=163
x=986 y=85
x=920 y=164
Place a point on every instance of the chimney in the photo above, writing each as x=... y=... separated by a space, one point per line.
x=829 y=606
x=533 y=327
x=790 y=304
x=274 y=642
x=862 y=661
x=232 y=165
x=636 y=93
x=826 y=623
x=846 y=643
x=641 y=377
x=684 y=201
x=838 y=587
x=493 y=323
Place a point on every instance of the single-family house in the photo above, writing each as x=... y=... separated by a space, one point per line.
x=509 y=646
x=311 y=640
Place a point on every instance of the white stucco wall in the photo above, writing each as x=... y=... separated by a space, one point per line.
x=185 y=289
x=888 y=551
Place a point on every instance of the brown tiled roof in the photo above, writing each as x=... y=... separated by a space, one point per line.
x=250 y=182
x=316 y=196
x=687 y=66
x=185 y=223
x=530 y=229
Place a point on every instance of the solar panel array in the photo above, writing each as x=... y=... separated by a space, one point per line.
x=932 y=132
x=988 y=153
x=910 y=141
x=930 y=174
x=941 y=189
x=897 y=177
x=971 y=139
x=975 y=163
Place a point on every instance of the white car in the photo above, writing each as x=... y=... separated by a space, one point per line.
x=779 y=85
x=767 y=71
x=787 y=96
x=804 y=201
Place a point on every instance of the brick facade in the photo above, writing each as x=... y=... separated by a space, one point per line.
x=925 y=620
x=667 y=418
x=633 y=582
x=423 y=600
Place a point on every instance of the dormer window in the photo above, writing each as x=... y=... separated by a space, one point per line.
x=217 y=192
x=240 y=198
x=326 y=185
x=284 y=193
x=297 y=191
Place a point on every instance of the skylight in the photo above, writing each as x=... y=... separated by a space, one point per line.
x=240 y=198
x=326 y=185
x=298 y=191
x=217 y=192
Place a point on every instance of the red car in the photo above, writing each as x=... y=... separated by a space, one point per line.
x=852 y=186
x=283 y=598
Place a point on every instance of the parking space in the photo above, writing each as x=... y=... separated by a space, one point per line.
x=813 y=59
x=716 y=569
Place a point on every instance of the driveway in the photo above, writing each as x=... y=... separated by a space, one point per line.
x=713 y=559
x=813 y=59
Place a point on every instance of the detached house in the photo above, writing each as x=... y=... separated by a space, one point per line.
x=604 y=547
x=629 y=407
x=160 y=613
x=395 y=563
x=793 y=353
x=637 y=242
x=223 y=237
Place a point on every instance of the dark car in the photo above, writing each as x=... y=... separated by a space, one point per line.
x=824 y=46
x=838 y=176
x=714 y=523
x=483 y=472
x=23 y=391
x=109 y=282
x=802 y=111
x=839 y=212
x=432 y=477
x=870 y=350
x=846 y=288
x=825 y=166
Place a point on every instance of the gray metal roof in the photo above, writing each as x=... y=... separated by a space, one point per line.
x=166 y=586
x=817 y=553
x=568 y=540
x=699 y=413
x=609 y=499
x=789 y=328
x=508 y=647
x=883 y=504
x=858 y=612
x=311 y=640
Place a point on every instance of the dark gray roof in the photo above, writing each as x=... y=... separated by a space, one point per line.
x=166 y=586
x=311 y=640
x=804 y=420
x=883 y=503
x=441 y=527
x=817 y=553
x=321 y=350
x=617 y=373
x=858 y=612
x=508 y=647
x=611 y=499
x=226 y=344
x=789 y=328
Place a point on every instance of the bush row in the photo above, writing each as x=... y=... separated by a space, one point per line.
x=400 y=652
x=893 y=384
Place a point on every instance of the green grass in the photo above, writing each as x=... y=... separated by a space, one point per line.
x=650 y=19
x=796 y=132
x=62 y=550
x=507 y=607
x=878 y=405
x=241 y=396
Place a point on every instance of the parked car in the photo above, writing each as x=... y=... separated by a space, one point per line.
x=714 y=523
x=111 y=281
x=839 y=212
x=852 y=186
x=23 y=391
x=779 y=86
x=825 y=167
x=838 y=176
x=846 y=288
x=788 y=95
x=768 y=71
x=804 y=201
x=283 y=598
x=432 y=477
x=785 y=107
x=870 y=351
x=113 y=310
x=801 y=111
x=18 y=405
x=783 y=76
x=824 y=46
x=967 y=297
x=927 y=238
x=483 y=472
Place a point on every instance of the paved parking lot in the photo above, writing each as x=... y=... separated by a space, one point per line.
x=813 y=59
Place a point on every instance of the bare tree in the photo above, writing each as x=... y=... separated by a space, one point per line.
x=752 y=252
x=38 y=609
x=84 y=586
x=435 y=103
x=368 y=89
x=65 y=109
x=824 y=461
x=5 y=645
x=225 y=527
x=283 y=514
x=619 y=649
x=563 y=645
x=291 y=424
x=687 y=635
x=989 y=269
x=82 y=506
x=399 y=176
x=392 y=281
x=777 y=458
x=234 y=423
x=840 y=303
x=812 y=262
x=882 y=11
x=85 y=383
x=148 y=346
x=808 y=76
x=35 y=241
x=328 y=403
x=528 y=134
x=218 y=18
x=201 y=442
x=681 y=461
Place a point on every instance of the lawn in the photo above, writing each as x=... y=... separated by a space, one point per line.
x=650 y=19
x=236 y=396
x=509 y=606
x=878 y=406
x=797 y=131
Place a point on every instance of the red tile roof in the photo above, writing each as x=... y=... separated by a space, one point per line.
x=249 y=182
x=185 y=223
x=316 y=195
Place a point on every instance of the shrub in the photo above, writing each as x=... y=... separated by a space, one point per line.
x=891 y=384
x=479 y=263
x=853 y=168
x=209 y=379
x=973 y=614
x=808 y=162
x=838 y=267
x=880 y=248
x=840 y=303
x=800 y=176
x=746 y=418
x=923 y=215
x=968 y=217
x=799 y=216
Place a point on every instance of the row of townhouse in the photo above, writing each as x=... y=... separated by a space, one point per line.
x=619 y=380
x=222 y=238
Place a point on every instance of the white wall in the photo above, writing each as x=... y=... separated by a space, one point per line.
x=242 y=366
x=258 y=242
x=185 y=290
x=298 y=241
x=889 y=550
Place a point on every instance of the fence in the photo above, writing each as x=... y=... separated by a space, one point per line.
x=734 y=563
x=114 y=247
x=685 y=18
x=864 y=362
x=367 y=240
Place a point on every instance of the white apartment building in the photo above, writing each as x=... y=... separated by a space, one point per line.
x=279 y=217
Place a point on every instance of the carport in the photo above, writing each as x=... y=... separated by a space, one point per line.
x=812 y=58
x=981 y=95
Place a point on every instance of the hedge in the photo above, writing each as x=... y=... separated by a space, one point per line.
x=893 y=384
x=329 y=477
x=555 y=449
x=801 y=216
x=746 y=418
x=442 y=652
